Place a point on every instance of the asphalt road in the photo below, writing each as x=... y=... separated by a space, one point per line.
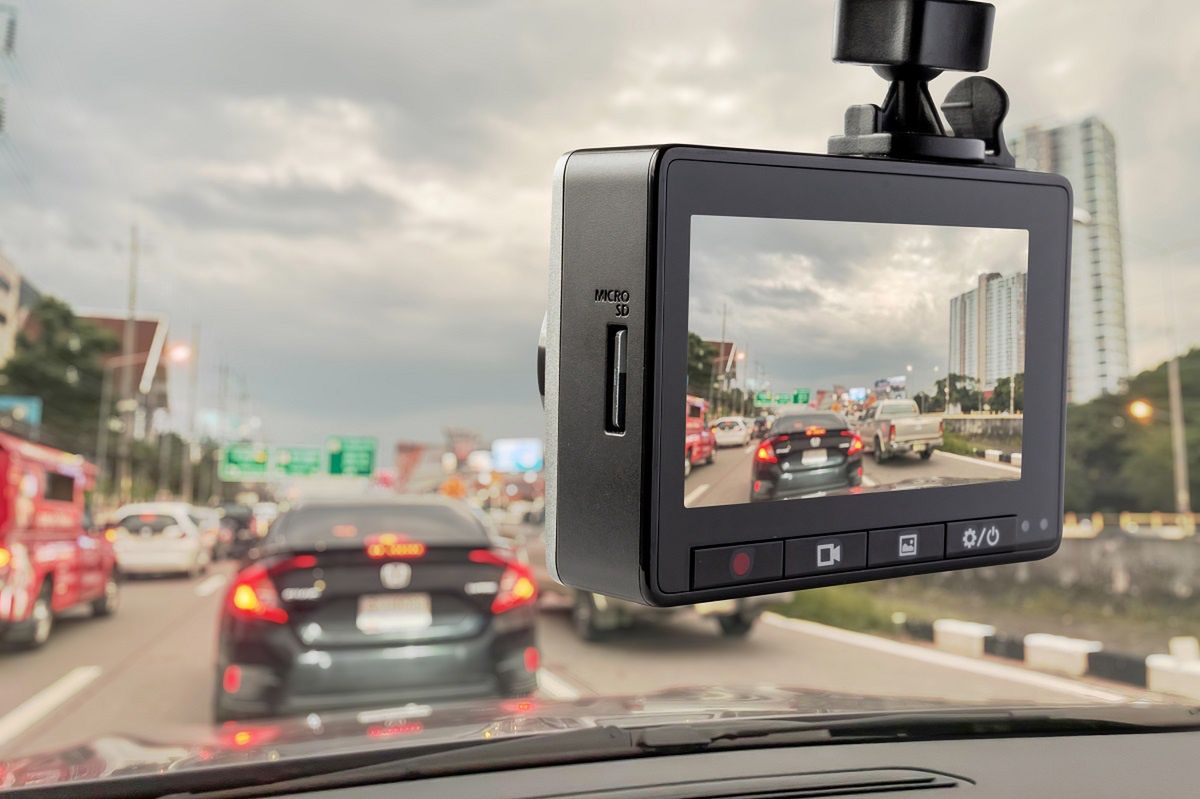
x=727 y=480
x=148 y=671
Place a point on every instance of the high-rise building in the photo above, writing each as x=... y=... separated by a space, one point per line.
x=1085 y=153
x=987 y=329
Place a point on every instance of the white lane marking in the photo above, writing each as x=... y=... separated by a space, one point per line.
x=868 y=482
x=211 y=585
x=978 y=461
x=41 y=704
x=695 y=494
x=983 y=668
x=556 y=687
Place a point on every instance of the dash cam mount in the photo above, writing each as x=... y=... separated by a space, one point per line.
x=909 y=43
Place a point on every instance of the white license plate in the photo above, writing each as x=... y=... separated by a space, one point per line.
x=814 y=457
x=392 y=613
x=918 y=447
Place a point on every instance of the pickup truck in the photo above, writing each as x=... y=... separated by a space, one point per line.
x=893 y=427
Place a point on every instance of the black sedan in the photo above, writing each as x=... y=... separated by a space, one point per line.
x=375 y=603
x=806 y=453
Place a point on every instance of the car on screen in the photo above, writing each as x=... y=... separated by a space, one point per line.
x=806 y=453
x=731 y=431
x=161 y=538
x=894 y=427
x=375 y=602
x=699 y=445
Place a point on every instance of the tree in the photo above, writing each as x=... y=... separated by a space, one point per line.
x=964 y=392
x=58 y=358
x=999 y=400
x=700 y=365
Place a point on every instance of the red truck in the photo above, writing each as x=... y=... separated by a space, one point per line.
x=50 y=559
x=700 y=446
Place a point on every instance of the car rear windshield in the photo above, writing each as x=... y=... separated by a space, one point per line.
x=798 y=424
x=152 y=522
x=892 y=410
x=348 y=526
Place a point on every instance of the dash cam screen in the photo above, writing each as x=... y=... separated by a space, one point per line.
x=829 y=358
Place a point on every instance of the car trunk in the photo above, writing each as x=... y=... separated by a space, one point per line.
x=915 y=428
x=798 y=453
x=345 y=598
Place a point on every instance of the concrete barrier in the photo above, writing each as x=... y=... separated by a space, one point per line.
x=1170 y=675
x=992 y=455
x=1015 y=459
x=1059 y=654
x=1184 y=648
x=962 y=637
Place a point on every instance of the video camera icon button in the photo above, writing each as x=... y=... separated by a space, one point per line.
x=825 y=554
x=981 y=537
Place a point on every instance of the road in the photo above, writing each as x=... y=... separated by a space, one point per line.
x=148 y=671
x=727 y=480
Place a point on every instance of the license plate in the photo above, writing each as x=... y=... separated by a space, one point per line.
x=392 y=613
x=814 y=457
x=918 y=447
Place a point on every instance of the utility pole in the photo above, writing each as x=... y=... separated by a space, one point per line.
x=1183 y=497
x=128 y=402
x=186 y=488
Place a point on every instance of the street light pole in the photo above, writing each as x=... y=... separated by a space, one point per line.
x=186 y=488
x=1183 y=498
x=128 y=403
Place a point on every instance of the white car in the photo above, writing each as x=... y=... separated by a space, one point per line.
x=162 y=537
x=731 y=431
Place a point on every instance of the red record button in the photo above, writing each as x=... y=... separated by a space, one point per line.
x=749 y=563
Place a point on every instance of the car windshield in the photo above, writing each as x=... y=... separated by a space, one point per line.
x=271 y=281
x=354 y=526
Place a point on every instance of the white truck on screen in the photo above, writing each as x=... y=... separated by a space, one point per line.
x=892 y=427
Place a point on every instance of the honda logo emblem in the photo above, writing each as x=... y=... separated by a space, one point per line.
x=395 y=575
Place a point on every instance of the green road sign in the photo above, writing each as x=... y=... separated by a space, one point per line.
x=241 y=463
x=351 y=456
x=762 y=398
x=801 y=395
x=783 y=399
x=299 y=461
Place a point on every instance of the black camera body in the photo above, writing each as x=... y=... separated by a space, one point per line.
x=647 y=240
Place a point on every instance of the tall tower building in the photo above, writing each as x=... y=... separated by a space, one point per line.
x=1085 y=153
x=987 y=329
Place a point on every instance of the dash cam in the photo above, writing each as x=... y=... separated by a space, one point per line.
x=767 y=371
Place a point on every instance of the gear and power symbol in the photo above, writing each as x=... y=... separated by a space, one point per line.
x=975 y=539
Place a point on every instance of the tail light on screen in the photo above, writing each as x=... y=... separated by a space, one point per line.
x=887 y=430
x=766 y=452
x=253 y=596
x=5 y=557
x=517 y=587
x=856 y=442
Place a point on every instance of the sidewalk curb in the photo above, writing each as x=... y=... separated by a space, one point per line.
x=1177 y=673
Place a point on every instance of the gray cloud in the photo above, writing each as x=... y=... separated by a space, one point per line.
x=418 y=139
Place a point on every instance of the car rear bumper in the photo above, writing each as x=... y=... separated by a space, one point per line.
x=917 y=445
x=157 y=562
x=489 y=664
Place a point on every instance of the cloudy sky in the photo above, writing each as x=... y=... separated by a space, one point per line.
x=819 y=304
x=353 y=200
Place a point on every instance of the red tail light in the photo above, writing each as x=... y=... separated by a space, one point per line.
x=231 y=679
x=393 y=546
x=517 y=587
x=856 y=442
x=887 y=430
x=253 y=596
x=766 y=452
x=5 y=557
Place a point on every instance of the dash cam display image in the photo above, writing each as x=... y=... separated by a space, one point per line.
x=831 y=357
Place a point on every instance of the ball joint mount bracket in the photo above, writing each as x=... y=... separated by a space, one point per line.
x=909 y=43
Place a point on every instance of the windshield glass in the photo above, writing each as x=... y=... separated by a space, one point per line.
x=285 y=263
